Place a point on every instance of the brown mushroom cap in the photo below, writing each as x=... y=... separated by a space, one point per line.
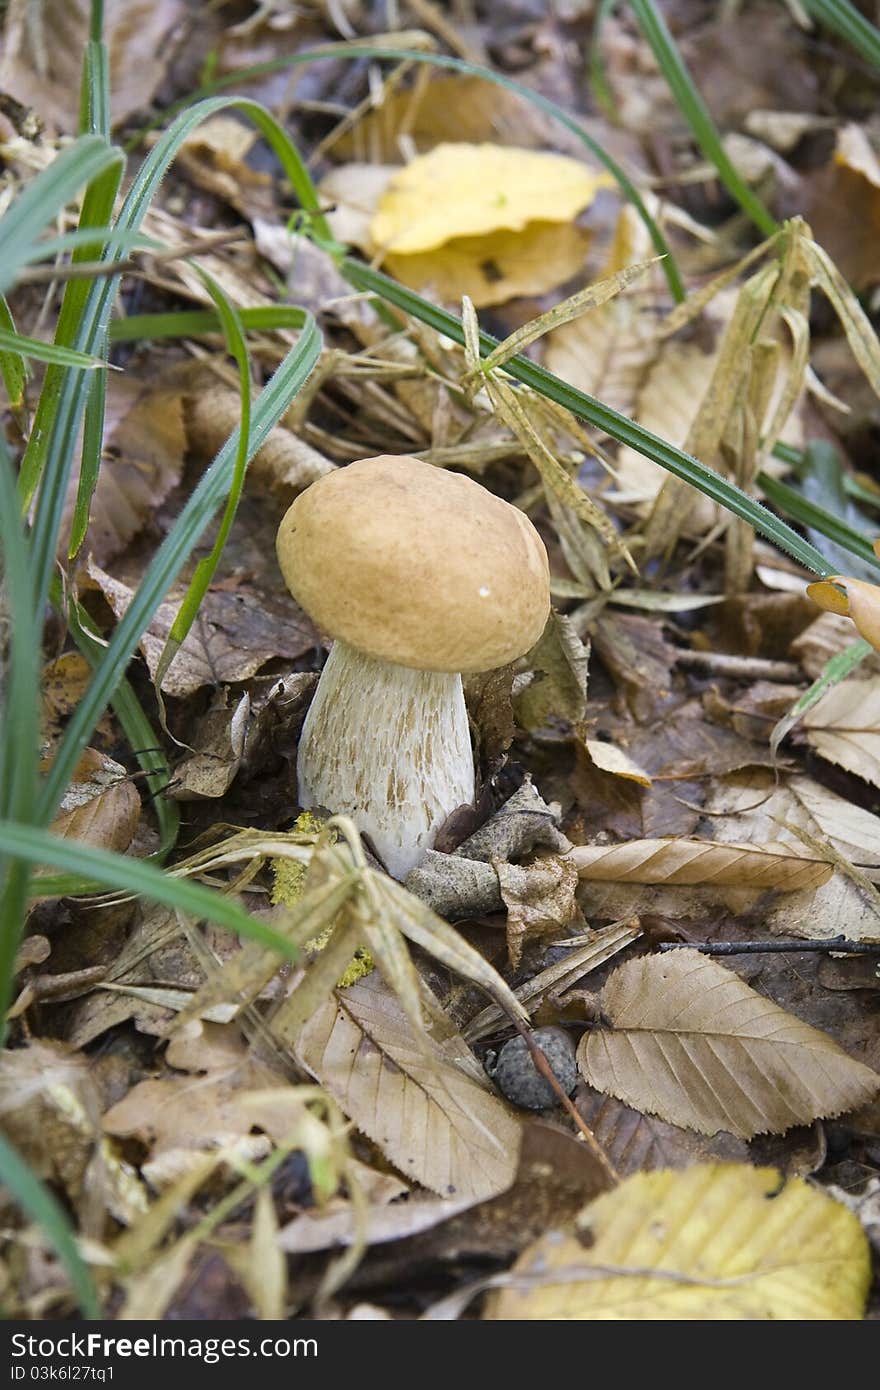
x=417 y=566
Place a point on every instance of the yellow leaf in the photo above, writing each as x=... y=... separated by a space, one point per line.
x=489 y=221
x=498 y=266
x=724 y=1242
x=471 y=190
x=859 y=601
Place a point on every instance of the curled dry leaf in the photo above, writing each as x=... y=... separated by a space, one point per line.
x=716 y=1242
x=539 y=899
x=425 y=1102
x=688 y=1040
x=285 y=464
x=559 y=662
x=101 y=806
x=844 y=727
x=219 y=743
x=700 y=861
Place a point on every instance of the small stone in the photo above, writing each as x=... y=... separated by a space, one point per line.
x=516 y=1076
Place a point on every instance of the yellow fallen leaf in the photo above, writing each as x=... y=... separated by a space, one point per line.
x=858 y=600
x=496 y=267
x=717 y=1242
x=489 y=221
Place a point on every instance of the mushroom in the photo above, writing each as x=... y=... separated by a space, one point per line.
x=419 y=575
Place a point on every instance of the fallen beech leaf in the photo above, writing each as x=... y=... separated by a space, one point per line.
x=753 y=808
x=844 y=727
x=236 y=632
x=700 y=861
x=44 y=44
x=637 y=1143
x=859 y=601
x=688 y=1040
x=101 y=806
x=425 y=1102
x=488 y=221
x=726 y=1242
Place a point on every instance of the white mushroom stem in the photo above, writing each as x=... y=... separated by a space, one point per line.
x=390 y=747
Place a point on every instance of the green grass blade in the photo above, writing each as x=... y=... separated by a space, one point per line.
x=90 y=466
x=808 y=513
x=691 y=105
x=845 y=20
x=37 y=206
x=54 y=433
x=442 y=60
x=121 y=873
x=170 y=558
x=19 y=719
x=17 y=343
x=12 y=364
x=587 y=408
x=195 y=323
x=599 y=84
x=40 y=1207
x=835 y=670
x=236 y=346
x=142 y=738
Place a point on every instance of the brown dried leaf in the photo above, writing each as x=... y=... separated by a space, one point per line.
x=700 y=861
x=44 y=44
x=690 y=1041
x=101 y=806
x=844 y=727
x=142 y=460
x=179 y=1116
x=753 y=808
x=62 y=686
x=219 y=742
x=235 y=633
x=426 y=1102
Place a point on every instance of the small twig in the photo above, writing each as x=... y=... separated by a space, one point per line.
x=545 y=1069
x=741 y=667
x=754 y=948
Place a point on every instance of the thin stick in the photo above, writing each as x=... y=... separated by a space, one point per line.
x=754 y=948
